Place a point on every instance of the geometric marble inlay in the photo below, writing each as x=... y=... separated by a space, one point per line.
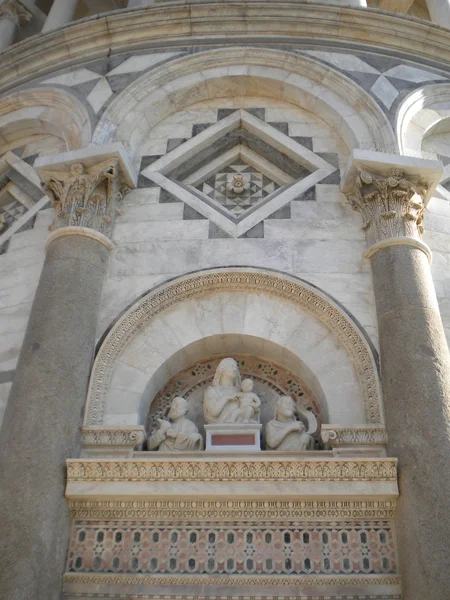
x=238 y=171
x=238 y=187
x=235 y=548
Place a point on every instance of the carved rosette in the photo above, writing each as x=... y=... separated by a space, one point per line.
x=86 y=197
x=14 y=11
x=391 y=207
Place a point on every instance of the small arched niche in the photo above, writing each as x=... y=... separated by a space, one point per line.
x=257 y=359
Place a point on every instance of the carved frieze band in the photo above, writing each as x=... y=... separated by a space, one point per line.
x=113 y=436
x=14 y=11
x=244 y=281
x=353 y=436
x=391 y=206
x=183 y=580
x=86 y=198
x=383 y=469
x=217 y=511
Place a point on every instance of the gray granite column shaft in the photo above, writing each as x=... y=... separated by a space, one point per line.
x=415 y=369
x=41 y=427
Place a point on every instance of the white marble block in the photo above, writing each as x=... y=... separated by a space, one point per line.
x=232 y=437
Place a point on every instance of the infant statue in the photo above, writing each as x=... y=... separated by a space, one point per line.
x=249 y=403
x=180 y=434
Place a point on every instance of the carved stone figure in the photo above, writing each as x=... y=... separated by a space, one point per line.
x=179 y=435
x=249 y=403
x=284 y=432
x=224 y=401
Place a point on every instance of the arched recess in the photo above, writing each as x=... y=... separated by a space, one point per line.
x=420 y=111
x=233 y=72
x=277 y=310
x=33 y=115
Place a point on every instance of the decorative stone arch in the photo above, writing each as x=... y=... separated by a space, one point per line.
x=48 y=111
x=284 y=310
x=419 y=112
x=286 y=76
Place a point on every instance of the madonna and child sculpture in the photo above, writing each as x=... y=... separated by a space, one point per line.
x=232 y=414
x=227 y=400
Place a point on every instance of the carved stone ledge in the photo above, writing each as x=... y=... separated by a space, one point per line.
x=390 y=192
x=112 y=441
x=164 y=470
x=363 y=440
x=86 y=186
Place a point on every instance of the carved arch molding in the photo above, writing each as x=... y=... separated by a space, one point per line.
x=198 y=284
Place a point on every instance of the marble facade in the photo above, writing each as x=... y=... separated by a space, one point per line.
x=188 y=186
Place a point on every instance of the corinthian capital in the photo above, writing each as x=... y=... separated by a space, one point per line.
x=14 y=11
x=390 y=192
x=86 y=190
x=391 y=206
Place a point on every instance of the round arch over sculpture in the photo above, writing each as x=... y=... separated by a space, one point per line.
x=260 y=312
x=282 y=75
x=43 y=111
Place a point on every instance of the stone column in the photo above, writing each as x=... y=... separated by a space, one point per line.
x=41 y=426
x=12 y=13
x=61 y=13
x=415 y=362
x=439 y=12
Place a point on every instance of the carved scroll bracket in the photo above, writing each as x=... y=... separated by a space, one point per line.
x=87 y=186
x=390 y=192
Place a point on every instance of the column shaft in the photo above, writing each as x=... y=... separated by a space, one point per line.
x=41 y=426
x=61 y=13
x=415 y=369
x=8 y=31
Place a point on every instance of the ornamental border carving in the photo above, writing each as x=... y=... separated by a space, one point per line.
x=382 y=469
x=218 y=511
x=243 y=280
x=335 y=436
x=113 y=436
x=184 y=580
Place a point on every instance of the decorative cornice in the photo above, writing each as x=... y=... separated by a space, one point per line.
x=217 y=511
x=14 y=11
x=335 y=436
x=185 y=580
x=143 y=470
x=257 y=21
x=83 y=231
x=244 y=280
x=113 y=436
x=391 y=206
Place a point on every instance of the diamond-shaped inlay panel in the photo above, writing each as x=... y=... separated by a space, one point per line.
x=238 y=171
x=238 y=187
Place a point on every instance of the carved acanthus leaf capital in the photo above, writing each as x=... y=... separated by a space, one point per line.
x=391 y=205
x=14 y=11
x=86 y=197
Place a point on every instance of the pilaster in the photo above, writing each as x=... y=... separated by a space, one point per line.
x=391 y=193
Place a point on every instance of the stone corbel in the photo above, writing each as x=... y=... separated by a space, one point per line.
x=86 y=187
x=112 y=442
x=14 y=11
x=390 y=192
x=365 y=440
